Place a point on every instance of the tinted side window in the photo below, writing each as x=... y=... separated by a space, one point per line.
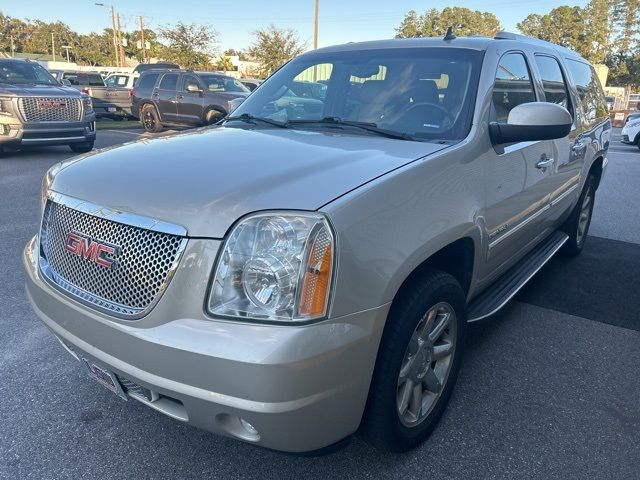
x=553 y=82
x=187 y=80
x=95 y=80
x=513 y=85
x=592 y=99
x=147 y=81
x=169 y=81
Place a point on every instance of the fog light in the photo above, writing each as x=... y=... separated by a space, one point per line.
x=248 y=427
x=237 y=427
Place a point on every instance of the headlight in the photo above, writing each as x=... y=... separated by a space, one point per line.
x=5 y=107
x=275 y=266
x=87 y=103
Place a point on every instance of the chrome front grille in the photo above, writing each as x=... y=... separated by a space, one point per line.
x=50 y=109
x=142 y=260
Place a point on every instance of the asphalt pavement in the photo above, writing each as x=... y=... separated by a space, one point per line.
x=549 y=387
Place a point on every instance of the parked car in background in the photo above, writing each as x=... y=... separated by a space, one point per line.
x=632 y=116
x=293 y=275
x=251 y=83
x=143 y=67
x=183 y=98
x=108 y=102
x=611 y=101
x=631 y=130
x=35 y=109
x=121 y=80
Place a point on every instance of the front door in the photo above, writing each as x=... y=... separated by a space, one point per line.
x=517 y=177
x=190 y=104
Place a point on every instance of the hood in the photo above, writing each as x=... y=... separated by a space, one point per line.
x=39 y=90
x=205 y=179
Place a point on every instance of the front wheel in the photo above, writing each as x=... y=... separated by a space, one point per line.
x=577 y=225
x=213 y=116
x=417 y=364
x=83 y=147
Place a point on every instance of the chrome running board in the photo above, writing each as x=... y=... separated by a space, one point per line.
x=505 y=288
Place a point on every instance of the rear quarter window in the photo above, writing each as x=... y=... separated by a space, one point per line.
x=147 y=82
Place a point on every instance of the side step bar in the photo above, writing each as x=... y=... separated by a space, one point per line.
x=506 y=287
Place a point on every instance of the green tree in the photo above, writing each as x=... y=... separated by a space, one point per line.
x=434 y=23
x=230 y=52
x=273 y=47
x=96 y=48
x=189 y=45
x=224 y=64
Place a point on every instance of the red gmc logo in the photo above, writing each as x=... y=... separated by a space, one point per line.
x=51 y=104
x=92 y=250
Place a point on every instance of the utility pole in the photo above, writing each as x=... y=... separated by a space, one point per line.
x=142 y=42
x=315 y=27
x=13 y=46
x=67 y=48
x=53 y=47
x=115 y=36
x=120 y=47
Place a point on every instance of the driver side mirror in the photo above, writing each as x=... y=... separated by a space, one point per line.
x=66 y=82
x=193 y=88
x=531 y=122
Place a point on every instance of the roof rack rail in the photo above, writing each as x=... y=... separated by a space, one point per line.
x=514 y=36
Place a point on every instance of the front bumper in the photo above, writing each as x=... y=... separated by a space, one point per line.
x=16 y=134
x=300 y=387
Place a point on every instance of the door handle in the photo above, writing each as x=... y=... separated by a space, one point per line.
x=545 y=162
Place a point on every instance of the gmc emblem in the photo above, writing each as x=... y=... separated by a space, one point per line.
x=51 y=104
x=92 y=250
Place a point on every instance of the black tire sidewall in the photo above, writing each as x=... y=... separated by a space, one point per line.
x=154 y=113
x=382 y=424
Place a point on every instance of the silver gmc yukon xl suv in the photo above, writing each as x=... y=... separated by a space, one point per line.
x=308 y=267
x=36 y=109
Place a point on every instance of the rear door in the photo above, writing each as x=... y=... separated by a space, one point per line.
x=190 y=104
x=165 y=97
x=517 y=194
x=569 y=152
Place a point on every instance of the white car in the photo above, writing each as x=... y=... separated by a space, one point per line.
x=631 y=132
x=121 y=80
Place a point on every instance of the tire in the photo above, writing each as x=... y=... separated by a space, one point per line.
x=150 y=119
x=212 y=116
x=82 y=147
x=577 y=225
x=387 y=425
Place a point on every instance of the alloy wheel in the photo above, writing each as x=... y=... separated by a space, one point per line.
x=427 y=361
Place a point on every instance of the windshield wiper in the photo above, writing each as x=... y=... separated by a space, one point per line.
x=368 y=126
x=248 y=118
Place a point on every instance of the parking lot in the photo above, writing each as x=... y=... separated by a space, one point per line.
x=549 y=387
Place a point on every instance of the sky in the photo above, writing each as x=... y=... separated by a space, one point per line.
x=340 y=21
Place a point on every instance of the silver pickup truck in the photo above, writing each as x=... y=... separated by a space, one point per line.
x=296 y=274
x=108 y=101
x=35 y=109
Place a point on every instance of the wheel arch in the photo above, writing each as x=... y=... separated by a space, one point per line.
x=150 y=103
x=211 y=107
x=596 y=169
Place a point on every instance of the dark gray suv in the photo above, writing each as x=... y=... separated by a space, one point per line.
x=183 y=98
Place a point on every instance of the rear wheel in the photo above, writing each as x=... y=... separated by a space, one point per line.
x=82 y=147
x=150 y=119
x=577 y=225
x=417 y=364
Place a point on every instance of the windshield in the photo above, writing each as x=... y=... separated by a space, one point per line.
x=216 y=83
x=426 y=93
x=25 y=73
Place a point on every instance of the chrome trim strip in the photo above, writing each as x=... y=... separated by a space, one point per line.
x=563 y=195
x=529 y=277
x=526 y=221
x=50 y=139
x=118 y=216
x=519 y=146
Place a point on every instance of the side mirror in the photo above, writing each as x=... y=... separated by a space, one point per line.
x=66 y=82
x=193 y=88
x=530 y=122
